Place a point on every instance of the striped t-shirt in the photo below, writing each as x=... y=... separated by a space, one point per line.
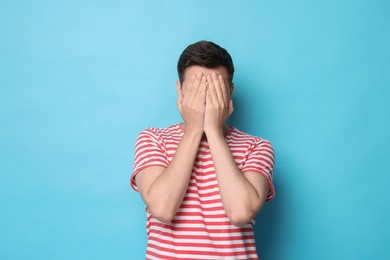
x=201 y=228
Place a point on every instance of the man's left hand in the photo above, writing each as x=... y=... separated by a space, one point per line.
x=218 y=104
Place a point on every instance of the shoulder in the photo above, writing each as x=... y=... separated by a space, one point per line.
x=161 y=133
x=254 y=140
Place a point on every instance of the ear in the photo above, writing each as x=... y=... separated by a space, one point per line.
x=179 y=95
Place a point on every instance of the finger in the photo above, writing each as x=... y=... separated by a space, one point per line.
x=209 y=100
x=223 y=89
x=196 y=84
x=213 y=94
x=203 y=83
x=217 y=87
x=189 y=87
x=202 y=86
x=202 y=92
x=185 y=95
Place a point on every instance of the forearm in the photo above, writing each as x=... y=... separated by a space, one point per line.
x=239 y=198
x=168 y=190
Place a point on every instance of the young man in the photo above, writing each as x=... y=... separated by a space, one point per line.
x=202 y=180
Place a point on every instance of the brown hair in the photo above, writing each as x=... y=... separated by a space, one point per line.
x=206 y=54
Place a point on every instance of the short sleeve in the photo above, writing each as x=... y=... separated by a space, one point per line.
x=149 y=151
x=261 y=159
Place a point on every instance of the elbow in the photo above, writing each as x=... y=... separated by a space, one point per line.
x=159 y=210
x=164 y=218
x=241 y=217
x=162 y=214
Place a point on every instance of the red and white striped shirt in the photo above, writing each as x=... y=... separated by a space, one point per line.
x=201 y=228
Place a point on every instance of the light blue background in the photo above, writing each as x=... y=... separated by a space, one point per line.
x=80 y=79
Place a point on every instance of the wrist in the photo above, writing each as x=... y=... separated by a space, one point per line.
x=214 y=132
x=193 y=133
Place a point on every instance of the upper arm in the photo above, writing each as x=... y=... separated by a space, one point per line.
x=150 y=159
x=259 y=168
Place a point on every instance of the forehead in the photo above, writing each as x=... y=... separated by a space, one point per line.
x=193 y=70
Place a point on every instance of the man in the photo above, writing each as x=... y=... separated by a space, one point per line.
x=202 y=180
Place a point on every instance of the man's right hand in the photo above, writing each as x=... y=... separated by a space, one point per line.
x=192 y=102
x=163 y=188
